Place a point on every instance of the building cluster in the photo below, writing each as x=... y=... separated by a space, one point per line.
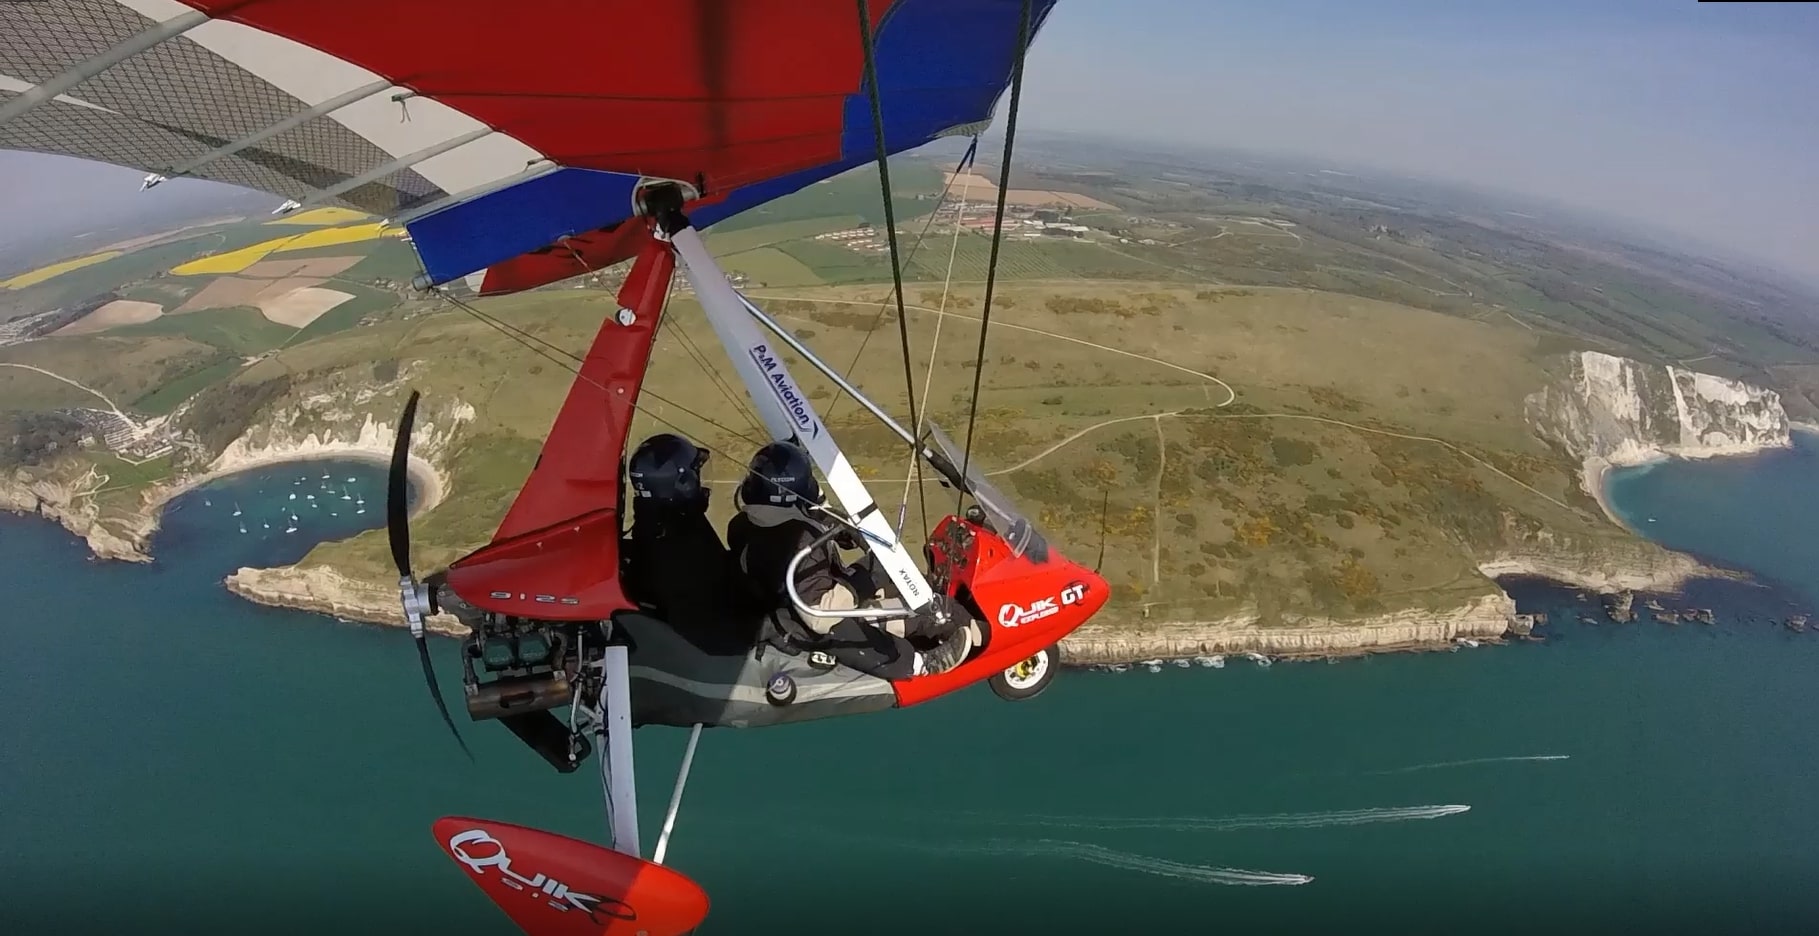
x=1019 y=220
x=976 y=216
x=863 y=239
x=132 y=441
x=28 y=327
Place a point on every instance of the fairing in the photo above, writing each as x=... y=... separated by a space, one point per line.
x=556 y=554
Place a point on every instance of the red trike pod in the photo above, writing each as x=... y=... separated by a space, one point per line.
x=552 y=885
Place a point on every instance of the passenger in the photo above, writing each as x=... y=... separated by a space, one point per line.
x=675 y=564
x=778 y=518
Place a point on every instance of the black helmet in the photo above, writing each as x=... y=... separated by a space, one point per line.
x=666 y=471
x=780 y=474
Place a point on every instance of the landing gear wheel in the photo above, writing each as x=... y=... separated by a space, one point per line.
x=1027 y=679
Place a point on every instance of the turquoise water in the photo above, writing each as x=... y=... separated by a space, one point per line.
x=179 y=760
x=1758 y=513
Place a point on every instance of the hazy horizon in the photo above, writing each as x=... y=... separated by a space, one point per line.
x=1696 y=120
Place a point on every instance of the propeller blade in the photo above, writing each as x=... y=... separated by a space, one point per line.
x=435 y=691
x=397 y=491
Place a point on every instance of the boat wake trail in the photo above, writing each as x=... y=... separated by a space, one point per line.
x=1474 y=761
x=1315 y=820
x=1145 y=864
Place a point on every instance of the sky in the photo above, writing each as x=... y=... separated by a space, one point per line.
x=1698 y=119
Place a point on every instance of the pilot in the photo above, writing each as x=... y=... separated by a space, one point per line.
x=779 y=516
x=675 y=564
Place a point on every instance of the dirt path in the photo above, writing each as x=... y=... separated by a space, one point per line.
x=1161 y=466
x=79 y=386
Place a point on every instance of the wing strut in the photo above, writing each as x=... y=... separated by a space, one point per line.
x=675 y=797
x=617 y=779
x=785 y=407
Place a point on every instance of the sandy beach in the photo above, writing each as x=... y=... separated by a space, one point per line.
x=1595 y=476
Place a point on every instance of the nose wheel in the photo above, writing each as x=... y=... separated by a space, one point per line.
x=1028 y=677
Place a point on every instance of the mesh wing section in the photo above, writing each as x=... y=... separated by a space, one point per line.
x=177 y=101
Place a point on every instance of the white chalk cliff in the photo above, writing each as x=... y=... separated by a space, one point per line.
x=1618 y=411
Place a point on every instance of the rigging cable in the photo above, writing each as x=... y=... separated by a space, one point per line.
x=991 y=267
x=890 y=228
x=965 y=163
x=526 y=338
x=695 y=354
x=914 y=474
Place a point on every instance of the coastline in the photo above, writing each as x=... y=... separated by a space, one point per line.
x=128 y=538
x=1595 y=471
x=1489 y=618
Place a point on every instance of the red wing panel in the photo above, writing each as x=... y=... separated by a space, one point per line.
x=752 y=88
x=586 y=252
x=556 y=554
x=552 y=885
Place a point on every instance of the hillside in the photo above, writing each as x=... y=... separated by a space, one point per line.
x=1266 y=455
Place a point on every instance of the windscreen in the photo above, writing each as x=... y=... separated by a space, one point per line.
x=1002 y=515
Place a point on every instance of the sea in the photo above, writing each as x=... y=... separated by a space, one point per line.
x=175 y=759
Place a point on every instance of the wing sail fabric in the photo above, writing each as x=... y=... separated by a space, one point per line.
x=496 y=129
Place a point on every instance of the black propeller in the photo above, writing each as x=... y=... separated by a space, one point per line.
x=418 y=600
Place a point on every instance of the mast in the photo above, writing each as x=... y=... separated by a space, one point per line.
x=782 y=405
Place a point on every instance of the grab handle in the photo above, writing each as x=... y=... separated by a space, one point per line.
x=803 y=607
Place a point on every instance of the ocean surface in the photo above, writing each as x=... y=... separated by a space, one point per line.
x=175 y=759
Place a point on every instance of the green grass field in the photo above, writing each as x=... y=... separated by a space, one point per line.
x=241 y=331
x=1376 y=364
x=1211 y=510
x=914 y=183
x=125 y=369
x=729 y=243
x=366 y=302
x=136 y=267
x=171 y=395
x=772 y=267
x=832 y=263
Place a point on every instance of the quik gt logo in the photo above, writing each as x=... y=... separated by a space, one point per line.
x=786 y=391
x=1015 y=615
x=480 y=851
